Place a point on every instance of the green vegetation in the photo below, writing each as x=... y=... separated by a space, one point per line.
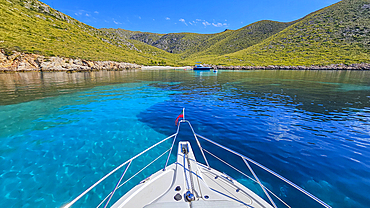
x=191 y=43
x=33 y=27
x=191 y=46
x=332 y=35
x=174 y=42
x=240 y=39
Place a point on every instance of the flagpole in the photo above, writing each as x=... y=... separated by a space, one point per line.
x=183 y=113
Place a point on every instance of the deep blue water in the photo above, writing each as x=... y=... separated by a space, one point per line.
x=59 y=133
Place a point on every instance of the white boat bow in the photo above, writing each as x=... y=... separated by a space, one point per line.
x=188 y=183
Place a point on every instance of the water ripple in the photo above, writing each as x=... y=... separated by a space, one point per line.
x=61 y=132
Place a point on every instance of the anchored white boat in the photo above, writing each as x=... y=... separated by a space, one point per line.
x=188 y=183
x=199 y=66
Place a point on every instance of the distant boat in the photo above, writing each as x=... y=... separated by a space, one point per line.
x=199 y=66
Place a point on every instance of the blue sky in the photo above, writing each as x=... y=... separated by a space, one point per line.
x=166 y=16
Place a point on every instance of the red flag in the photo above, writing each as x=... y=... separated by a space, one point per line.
x=177 y=119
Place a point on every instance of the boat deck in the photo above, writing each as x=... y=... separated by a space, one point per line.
x=188 y=183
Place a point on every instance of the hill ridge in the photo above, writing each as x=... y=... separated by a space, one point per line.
x=31 y=26
x=318 y=39
x=337 y=34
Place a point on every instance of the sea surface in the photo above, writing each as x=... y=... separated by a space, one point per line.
x=60 y=133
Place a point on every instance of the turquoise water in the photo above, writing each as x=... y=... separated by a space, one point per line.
x=62 y=132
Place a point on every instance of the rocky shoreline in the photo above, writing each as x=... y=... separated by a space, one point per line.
x=362 y=66
x=21 y=62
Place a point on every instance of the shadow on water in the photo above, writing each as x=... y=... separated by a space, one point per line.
x=314 y=122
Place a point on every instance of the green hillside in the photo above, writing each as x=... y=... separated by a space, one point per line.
x=333 y=35
x=237 y=40
x=173 y=42
x=188 y=44
x=33 y=27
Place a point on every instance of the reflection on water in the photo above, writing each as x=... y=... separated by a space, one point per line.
x=310 y=126
x=23 y=87
x=295 y=87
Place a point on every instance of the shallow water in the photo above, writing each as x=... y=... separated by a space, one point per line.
x=61 y=132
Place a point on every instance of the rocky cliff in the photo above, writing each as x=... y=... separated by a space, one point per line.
x=21 y=62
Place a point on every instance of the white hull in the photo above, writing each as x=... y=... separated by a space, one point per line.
x=210 y=187
x=190 y=184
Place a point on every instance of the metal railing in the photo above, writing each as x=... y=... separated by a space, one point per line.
x=115 y=170
x=196 y=136
x=256 y=179
x=246 y=160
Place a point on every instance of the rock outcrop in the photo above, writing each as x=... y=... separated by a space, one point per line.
x=21 y=62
